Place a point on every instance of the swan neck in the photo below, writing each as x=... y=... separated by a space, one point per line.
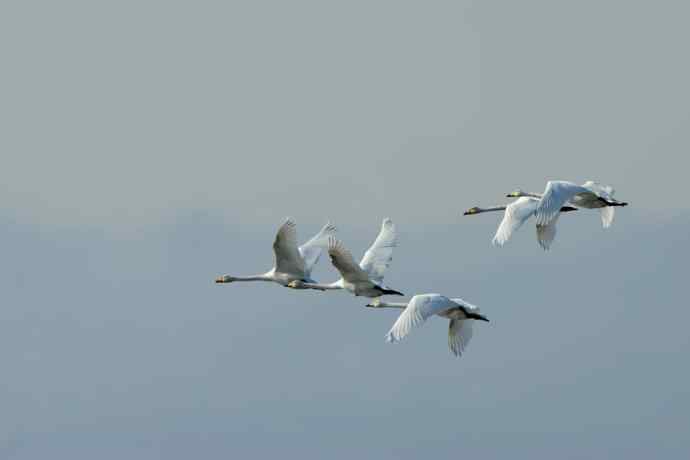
x=323 y=287
x=392 y=305
x=493 y=208
x=262 y=277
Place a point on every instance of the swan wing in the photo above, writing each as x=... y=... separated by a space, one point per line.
x=460 y=330
x=459 y=335
x=380 y=255
x=344 y=262
x=546 y=234
x=287 y=256
x=465 y=304
x=515 y=215
x=311 y=250
x=416 y=313
x=557 y=193
x=604 y=191
x=607 y=215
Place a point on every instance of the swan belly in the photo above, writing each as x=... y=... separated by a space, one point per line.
x=350 y=287
x=453 y=313
x=587 y=201
x=286 y=278
x=362 y=289
x=369 y=289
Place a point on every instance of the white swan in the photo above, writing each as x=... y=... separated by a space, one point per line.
x=366 y=278
x=516 y=214
x=590 y=195
x=291 y=262
x=423 y=306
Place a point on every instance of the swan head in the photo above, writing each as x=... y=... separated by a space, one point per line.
x=473 y=210
x=516 y=193
x=297 y=284
x=224 y=279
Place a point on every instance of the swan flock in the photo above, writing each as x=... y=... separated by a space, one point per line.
x=293 y=264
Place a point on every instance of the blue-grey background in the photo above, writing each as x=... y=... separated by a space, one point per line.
x=149 y=146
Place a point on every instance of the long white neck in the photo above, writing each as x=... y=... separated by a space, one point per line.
x=493 y=208
x=533 y=195
x=382 y=304
x=321 y=287
x=262 y=277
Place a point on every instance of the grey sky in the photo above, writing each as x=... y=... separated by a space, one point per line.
x=149 y=146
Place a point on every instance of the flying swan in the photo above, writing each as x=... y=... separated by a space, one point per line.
x=516 y=214
x=366 y=278
x=291 y=262
x=590 y=195
x=423 y=306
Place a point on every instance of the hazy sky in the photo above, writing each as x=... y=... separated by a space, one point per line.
x=149 y=146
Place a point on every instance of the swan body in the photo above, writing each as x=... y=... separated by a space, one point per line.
x=423 y=306
x=363 y=279
x=590 y=195
x=291 y=262
x=516 y=214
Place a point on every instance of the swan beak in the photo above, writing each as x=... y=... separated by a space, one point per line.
x=369 y=305
x=220 y=280
x=470 y=211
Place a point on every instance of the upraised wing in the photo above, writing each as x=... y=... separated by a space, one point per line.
x=344 y=262
x=416 y=313
x=546 y=234
x=380 y=255
x=460 y=330
x=311 y=250
x=287 y=256
x=604 y=191
x=515 y=215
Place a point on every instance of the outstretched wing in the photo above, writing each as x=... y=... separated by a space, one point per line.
x=344 y=262
x=287 y=256
x=604 y=191
x=417 y=311
x=557 y=193
x=460 y=330
x=311 y=250
x=515 y=215
x=546 y=234
x=607 y=215
x=380 y=255
x=459 y=335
